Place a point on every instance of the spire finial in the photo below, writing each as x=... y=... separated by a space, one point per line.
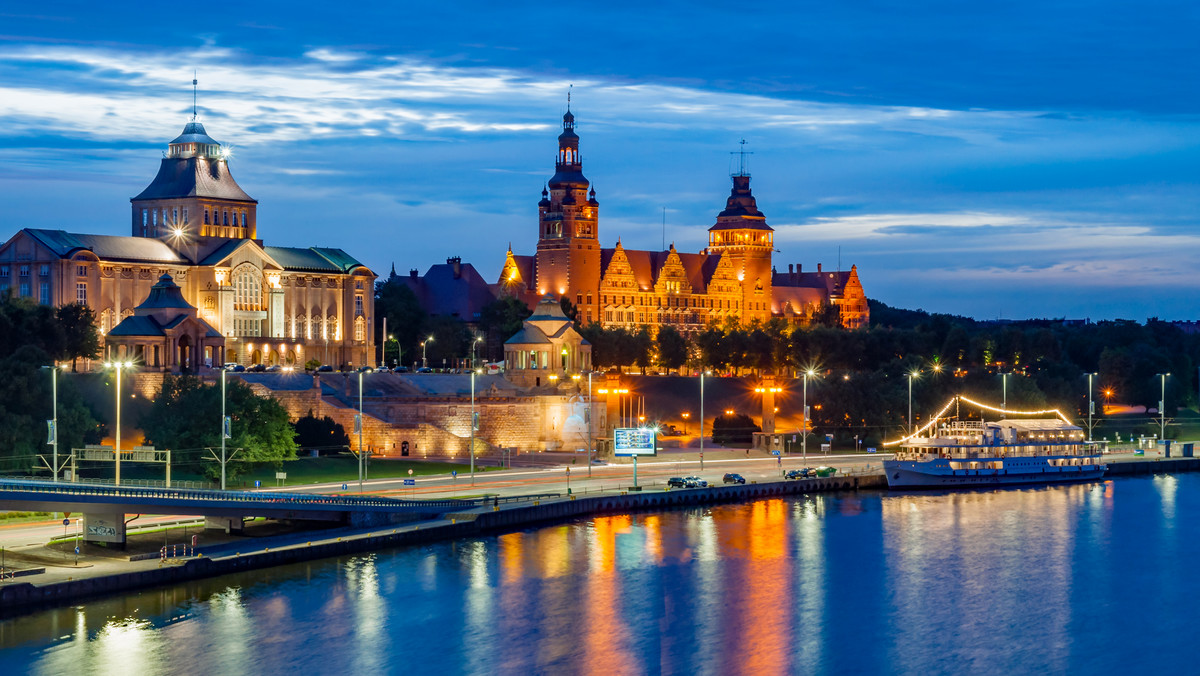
x=194 y=83
x=569 y=87
x=741 y=153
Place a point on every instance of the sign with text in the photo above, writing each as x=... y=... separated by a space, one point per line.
x=633 y=441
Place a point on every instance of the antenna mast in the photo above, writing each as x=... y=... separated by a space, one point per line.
x=741 y=158
x=194 y=83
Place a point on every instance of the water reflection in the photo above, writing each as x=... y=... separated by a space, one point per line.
x=1017 y=580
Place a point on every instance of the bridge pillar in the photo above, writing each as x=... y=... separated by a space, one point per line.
x=229 y=524
x=106 y=530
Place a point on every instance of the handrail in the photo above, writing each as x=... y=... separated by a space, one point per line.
x=224 y=496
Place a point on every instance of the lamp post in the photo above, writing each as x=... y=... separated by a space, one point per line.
x=474 y=344
x=425 y=362
x=360 y=431
x=702 y=374
x=589 y=422
x=117 y=449
x=911 y=375
x=472 y=422
x=804 y=419
x=1091 y=405
x=685 y=415
x=225 y=428
x=1162 y=408
x=54 y=416
x=1004 y=392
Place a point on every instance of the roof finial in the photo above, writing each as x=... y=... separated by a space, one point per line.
x=741 y=153
x=569 y=97
x=194 y=83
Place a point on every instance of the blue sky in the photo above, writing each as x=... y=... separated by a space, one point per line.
x=1011 y=160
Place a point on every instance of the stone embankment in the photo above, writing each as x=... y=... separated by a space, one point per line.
x=23 y=597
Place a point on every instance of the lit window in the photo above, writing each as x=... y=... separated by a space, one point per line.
x=81 y=293
x=247 y=289
x=360 y=329
x=206 y=216
x=81 y=270
x=358 y=306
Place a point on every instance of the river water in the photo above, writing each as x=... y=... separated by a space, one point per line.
x=1092 y=578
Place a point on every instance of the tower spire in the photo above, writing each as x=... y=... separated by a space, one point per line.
x=194 y=83
x=741 y=153
x=569 y=87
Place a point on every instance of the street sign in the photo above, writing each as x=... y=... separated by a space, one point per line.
x=66 y=522
x=410 y=472
x=829 y=437
x=76 y=549
x=454 y=473
x=227 y=427
x=793 y=438
x=51 y=433
x=870 y=449
x=410 y=482
x=774 y=452
x=257 y=483
x=343 y=486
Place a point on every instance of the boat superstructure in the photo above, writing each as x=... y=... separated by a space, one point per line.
x=967 y=453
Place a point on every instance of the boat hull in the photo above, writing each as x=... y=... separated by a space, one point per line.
x=909 y=475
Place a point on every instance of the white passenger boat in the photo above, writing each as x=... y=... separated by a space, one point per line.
x=973 y=453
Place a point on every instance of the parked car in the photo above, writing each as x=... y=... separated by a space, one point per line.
x=235 y=368
x=274 y=368
x=695 y=482
x=796 y=474
x=400 y=369
x=424 y=369
x=364 y=369
x=732 y=478
x=257 y=368
x=676 y=482
x=325 y=368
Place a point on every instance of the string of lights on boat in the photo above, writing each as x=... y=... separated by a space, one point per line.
x=958 y=398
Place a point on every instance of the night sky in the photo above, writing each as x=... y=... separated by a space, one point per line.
x=1017 y=159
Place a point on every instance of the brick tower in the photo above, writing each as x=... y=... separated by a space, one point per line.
x=741 y=233
x=568 y=249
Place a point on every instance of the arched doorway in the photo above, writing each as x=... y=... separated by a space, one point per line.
x=185 y=353
x=230 y=356
x=256 y=357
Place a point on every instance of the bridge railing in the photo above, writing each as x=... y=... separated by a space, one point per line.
x=246 y=497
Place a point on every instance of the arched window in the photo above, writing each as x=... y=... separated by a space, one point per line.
x=332 y=329
x=314 y=329
x=247 y=289
x=360 y=329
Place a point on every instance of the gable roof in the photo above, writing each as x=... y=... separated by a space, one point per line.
x=830 y=282
x=108 y=247
x=441 y=291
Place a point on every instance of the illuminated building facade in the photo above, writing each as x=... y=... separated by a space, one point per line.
x=732 y=277
x=273 y=305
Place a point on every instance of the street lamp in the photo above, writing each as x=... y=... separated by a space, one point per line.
x=702 y=374
x=226 y=429
x=1162 y=407
x=911 y=375
x=1004 y=390
x=804 y=421
x=474 y=344
x=54 y=405
x=359 y=425
x=118 y=365
x=589 y=422
x=424 y=362
x=685 y=415
x=473 y=425
x=1091 y=405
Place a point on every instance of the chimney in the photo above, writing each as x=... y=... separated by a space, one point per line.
x=457 y=263
x=790 y=268
x=818 y=268
x=798 y=270
x=412 y=273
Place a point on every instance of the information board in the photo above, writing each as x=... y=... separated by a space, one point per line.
x=633 y=441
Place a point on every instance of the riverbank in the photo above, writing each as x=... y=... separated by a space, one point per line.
x=76 y=584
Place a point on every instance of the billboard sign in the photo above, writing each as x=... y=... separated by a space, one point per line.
x=633 y=441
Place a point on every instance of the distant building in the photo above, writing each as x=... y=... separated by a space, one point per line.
x=454 y=289
x=164 y=333
x=273 y=305
x=732 y=277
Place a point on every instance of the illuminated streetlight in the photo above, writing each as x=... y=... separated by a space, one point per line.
x=424 y=361
x=54 y=421
x=911 y=375
x=1091 y=405
x=685 y=415
x=702 y=374
x=117 y=448
x=804 y=421
x=1162 y=407
x=473 y=345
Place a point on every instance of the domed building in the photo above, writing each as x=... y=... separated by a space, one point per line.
x=195 y=224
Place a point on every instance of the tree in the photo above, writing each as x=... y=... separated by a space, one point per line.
x=672 y=348
x=737 y=428
x=569 y=309
x=185 y=418
x=324 y=435
x=25 y=405
x=642 y=346
x=500 y=320
x=81 y=337
x=405 y=318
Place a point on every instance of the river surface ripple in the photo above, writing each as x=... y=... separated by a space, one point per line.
x=1091 y=578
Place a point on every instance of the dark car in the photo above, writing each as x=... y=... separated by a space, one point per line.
x=796 y=474
x=257 y=368
x=676 y=482
x=424 y=369
x=400 y=369
x=732 y=478
x=325 y=368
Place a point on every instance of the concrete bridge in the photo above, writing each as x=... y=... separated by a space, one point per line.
x=104 y=507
